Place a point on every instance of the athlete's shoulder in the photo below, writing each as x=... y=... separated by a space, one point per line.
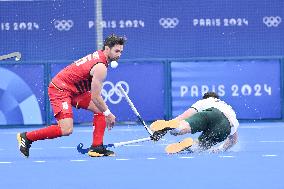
x=90 y=60
x=198 y=104
x=101 y=55
x=98 y=57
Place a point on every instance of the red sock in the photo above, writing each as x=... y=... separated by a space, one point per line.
x=99 y=123
x=50 y=132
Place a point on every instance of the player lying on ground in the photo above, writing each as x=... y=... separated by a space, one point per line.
x=215 y=119
x=79 y=85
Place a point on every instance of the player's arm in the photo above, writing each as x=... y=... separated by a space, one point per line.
x=229 y=143
x=99 y=72
x=197 y=106
x=188 y=113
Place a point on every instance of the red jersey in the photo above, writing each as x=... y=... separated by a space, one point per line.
x=76 y=77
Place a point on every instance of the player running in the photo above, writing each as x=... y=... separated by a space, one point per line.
x=80 y=85
x=211 y=116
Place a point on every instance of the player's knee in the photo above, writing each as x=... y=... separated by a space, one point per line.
x=66 y=131
x=66 y=126
x=182 y=129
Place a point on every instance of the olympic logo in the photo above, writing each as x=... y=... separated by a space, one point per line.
x=169 y=22
x=111 y=93
x=63 y=25
x=272 y=21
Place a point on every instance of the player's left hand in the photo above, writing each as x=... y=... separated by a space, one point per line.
x=110 y=121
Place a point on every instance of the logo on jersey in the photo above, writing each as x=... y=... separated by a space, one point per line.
x=65 y=105
x=111 y=93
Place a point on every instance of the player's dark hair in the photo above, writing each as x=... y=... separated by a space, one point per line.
x=210 y=94
x=113 y=40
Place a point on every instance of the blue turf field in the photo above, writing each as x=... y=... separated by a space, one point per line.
x=256 y=162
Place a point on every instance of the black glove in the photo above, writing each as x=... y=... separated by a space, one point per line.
x=157 y=135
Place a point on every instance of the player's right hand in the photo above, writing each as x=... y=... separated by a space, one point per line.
x=110 y=121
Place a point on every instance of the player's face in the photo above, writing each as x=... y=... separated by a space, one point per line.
x=115 y=52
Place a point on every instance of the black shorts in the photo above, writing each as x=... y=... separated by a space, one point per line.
x=213 y=124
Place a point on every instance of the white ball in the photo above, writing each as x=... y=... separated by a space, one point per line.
x=113 y=64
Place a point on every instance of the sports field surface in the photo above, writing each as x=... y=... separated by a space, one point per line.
x=256 y=162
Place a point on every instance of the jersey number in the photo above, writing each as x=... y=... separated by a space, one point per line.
x=87 y=58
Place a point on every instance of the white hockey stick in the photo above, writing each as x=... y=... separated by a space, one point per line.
x=134 y=109
x=118 y=144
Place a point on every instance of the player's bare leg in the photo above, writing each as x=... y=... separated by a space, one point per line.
x=177 y=127
x=162 y=125
x=66 y=126
x=183 y=128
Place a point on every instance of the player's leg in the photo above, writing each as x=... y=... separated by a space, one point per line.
x=61 y=104
x=160 y=125
x=195 y=123
x=183 y=128
x=217 y=131
x=99 y=124
x=213 y=124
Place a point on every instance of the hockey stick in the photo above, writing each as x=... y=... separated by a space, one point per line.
x=16 y=55
x=154 y=137
x=157 y=135
x=134 y=109
x=82 y=150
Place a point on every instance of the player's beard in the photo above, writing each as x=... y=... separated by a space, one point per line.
x=113 y=59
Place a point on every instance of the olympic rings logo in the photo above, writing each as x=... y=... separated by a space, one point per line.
x=63 y=25
x=169 y=22
x=271 y=21
x=111 y=93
